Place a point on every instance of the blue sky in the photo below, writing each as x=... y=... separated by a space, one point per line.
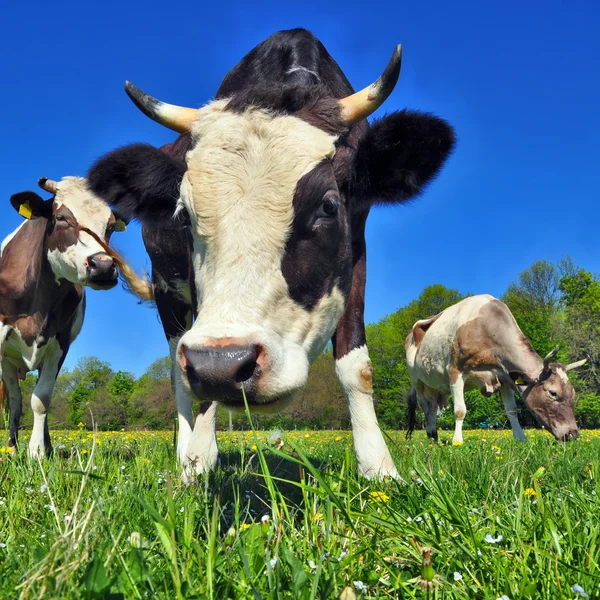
x=518 y=80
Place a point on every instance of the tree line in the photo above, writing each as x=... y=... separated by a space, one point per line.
x=554 y=304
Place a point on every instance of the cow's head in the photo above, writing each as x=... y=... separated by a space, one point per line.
x=79 y=228
x=550 y=396
x=276 y=186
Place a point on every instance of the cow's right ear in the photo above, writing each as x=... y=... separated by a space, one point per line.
x=521 y=378
x=399 y=155
x=31 y=206
x=138 y=182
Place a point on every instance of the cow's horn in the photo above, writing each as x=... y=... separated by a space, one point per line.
x=549 y=357
x=48 y=185
x=177 y=118
x=367 y=101
x=575 y=365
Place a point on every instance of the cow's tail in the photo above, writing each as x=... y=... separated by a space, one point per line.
x=2 y=398
x=411 y=412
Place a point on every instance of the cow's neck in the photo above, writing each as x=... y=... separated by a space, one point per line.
x=522 y=357
x=29 y=290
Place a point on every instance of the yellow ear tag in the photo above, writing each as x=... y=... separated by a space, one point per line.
x=519 y=381
x=120 y=225
x=25 y=210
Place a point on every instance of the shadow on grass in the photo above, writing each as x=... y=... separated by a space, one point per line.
x=241 y=475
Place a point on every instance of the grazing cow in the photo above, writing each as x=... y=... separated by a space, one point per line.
x=254 y=220
x=477 y=344
x=44 y=265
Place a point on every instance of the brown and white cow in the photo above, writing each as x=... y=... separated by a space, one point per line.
x=44 y=265
x=273 y=182
x=477 y=344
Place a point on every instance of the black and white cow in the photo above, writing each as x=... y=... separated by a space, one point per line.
x=254 y=219
x=44 y=265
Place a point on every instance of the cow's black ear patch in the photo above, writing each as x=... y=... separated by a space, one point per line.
x=31 y=206
x=138 y=182
x=399 y=155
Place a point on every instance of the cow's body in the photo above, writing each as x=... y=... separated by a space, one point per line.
x=274 y=183
x=477 y=344
x=44 y=266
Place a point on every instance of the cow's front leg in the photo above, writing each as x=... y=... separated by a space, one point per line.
x=510 y=407
x=354 y=370
x=202 y=452
x=183 y=400
x=457 y=388
x=15 y=402
x=196 y=443
x=39 y=444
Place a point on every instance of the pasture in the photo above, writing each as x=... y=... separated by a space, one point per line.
x=107 y=517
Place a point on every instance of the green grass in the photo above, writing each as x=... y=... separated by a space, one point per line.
x=113 y=520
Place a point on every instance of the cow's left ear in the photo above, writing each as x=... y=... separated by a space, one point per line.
x=30 y=205
x=521 y=378
x=399 y=155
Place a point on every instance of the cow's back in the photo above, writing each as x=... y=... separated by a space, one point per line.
x=430 y=355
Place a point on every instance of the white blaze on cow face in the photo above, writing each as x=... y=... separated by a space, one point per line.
x=238 y=189
x=73 y=253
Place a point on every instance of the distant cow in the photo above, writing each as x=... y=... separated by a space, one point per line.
x=44 y=263
x=477 y=344
x=273 y=182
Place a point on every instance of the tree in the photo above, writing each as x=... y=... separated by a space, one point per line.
x=89 y=376
x=534 y=301
x=580 y=326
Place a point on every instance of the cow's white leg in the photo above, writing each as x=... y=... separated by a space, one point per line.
x=196 y=443
x=15 y=403
x=460 y=408
x=510 y=407
x=39 y=444
x=202 y=452
x=354 y=372
x=183 y=399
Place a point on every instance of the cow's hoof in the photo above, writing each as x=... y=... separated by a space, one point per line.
x=36 y=452
x=194 y=467
x=380 y=473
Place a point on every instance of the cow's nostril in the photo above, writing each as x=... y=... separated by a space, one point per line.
x=246 y=371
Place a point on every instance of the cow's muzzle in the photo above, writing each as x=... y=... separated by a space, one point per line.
x=572 y=434
x=219 y=372
x=102 y=271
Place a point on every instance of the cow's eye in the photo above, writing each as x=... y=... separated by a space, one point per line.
x=553 y=394
x=61 y=219
x=329 y=207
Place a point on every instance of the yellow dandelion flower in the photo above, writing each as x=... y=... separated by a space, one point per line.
x=318 y=517
x=497 y=448
x=245 y=526
x=499 y=457
x=529 y=492
x=306 y=435
x=338 y=438
x=441 y=472
x=254 y=447
x=457 y=443
x=378 y=496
